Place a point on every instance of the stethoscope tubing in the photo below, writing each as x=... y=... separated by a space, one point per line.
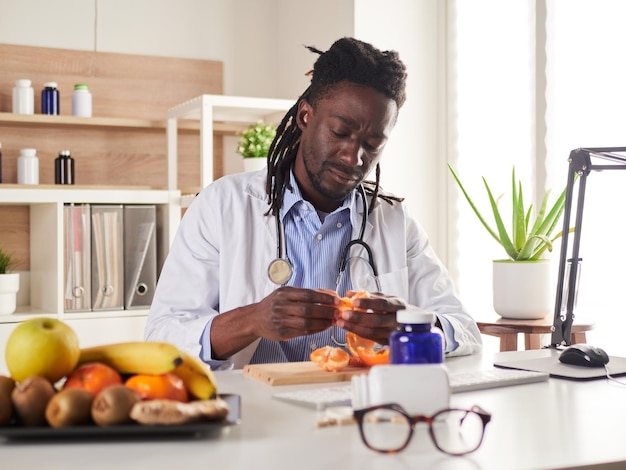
x=286 y=270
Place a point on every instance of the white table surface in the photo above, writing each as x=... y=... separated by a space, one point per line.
x=547 y=425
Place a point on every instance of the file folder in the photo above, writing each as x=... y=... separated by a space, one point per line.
x=77 y=257
x=107 y=257
x=140 y=255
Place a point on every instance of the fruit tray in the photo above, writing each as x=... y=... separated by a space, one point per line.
x=201 y=429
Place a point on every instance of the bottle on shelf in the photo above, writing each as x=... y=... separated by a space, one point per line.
x=81 y=100
x=50 y=98
x=415 y=341
x=64 y=168
x=23 y=97
x=28 y=167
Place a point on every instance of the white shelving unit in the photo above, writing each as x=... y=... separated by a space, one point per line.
x=209 y=110
x=46 y=239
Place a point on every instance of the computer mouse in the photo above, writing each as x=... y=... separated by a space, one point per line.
x=584 y=355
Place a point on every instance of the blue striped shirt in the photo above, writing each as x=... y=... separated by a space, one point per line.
x=314 y=243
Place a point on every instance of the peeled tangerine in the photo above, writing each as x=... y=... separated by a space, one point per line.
x=330 y=358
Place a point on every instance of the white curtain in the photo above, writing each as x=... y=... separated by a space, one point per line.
x=491 y=122
x=529 y=81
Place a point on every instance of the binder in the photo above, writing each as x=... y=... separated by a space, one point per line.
x=140 y=255
x=77 y=257
x=107 y=257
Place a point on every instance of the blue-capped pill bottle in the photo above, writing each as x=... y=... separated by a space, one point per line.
x=50 y=98
x=416 y=340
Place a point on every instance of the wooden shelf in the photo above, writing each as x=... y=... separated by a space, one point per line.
x=10 y=119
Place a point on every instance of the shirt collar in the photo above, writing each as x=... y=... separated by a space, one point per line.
x=294 y=196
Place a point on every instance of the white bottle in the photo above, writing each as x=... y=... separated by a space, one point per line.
x=81 y=100
x=28 y=167
x=23 y=97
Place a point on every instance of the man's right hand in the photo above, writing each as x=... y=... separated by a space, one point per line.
x=286 y=313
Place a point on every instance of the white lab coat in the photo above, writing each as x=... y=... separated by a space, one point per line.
x=219 y=258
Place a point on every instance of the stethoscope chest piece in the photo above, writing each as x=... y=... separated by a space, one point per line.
x=279 y=271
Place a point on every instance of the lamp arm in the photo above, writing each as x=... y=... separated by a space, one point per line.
x=579 y=165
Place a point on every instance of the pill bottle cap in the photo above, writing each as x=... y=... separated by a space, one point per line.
x=50 y=85
x=65 y=153
x=23 y=82
x=415 y=316
x=81 y=86
x=28 y=152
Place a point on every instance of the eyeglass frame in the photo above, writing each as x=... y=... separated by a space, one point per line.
x=358 y=415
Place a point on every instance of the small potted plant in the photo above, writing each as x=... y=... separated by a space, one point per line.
x=522 y=282
x=9 y=284
x=254 y=144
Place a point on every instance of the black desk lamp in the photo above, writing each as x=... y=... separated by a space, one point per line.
x=580 y=165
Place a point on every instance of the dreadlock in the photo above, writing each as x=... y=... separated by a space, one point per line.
x=350 y=60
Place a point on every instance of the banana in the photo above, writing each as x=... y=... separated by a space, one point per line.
x=135 y=357
x=197 y=377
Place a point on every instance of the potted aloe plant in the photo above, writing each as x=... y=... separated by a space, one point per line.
x=254 y=144
x=9 y=284
x=522 y=283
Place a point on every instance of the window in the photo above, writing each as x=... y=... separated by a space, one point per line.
x=503 y=113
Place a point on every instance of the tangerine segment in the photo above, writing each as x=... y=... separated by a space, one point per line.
x=368 y=351
x=152 y=387
x=330 y=358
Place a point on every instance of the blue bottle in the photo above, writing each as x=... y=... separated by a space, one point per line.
x=415 y=341
x=50 y=98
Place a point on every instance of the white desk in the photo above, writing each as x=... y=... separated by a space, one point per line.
x=553 y=424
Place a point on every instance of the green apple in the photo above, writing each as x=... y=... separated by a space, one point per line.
x=42 y=346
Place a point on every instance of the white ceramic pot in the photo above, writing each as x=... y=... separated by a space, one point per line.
x=254 y=164
x=523 y=289
x=9 y=286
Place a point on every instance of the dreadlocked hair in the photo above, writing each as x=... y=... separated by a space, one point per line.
x=350 y=60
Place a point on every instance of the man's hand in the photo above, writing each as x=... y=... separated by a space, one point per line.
x=372 y=317
x=290 y=311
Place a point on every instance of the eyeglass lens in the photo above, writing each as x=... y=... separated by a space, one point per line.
x=453 y=431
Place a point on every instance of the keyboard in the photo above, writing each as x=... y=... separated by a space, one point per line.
x=341 y=394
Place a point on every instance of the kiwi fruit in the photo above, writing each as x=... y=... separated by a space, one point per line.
x=6 y=409
x=30 y=398
x=69 y=407
x=113 y=404
x=7 y=384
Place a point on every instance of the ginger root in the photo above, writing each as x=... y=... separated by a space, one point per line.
x=172 y=412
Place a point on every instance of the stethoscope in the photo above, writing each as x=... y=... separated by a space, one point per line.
x=280 y=269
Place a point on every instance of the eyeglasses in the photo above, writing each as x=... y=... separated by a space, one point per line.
x=388 y=428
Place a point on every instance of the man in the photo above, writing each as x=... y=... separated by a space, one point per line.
x=217 y=295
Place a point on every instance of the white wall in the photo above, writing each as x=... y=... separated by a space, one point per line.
x=413 y=165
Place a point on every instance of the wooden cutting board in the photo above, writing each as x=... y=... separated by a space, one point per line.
x=289 y=373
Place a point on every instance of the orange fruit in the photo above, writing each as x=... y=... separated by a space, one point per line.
x=93 y=377
x=346 y=303
x=151 y=387
x=368 y=351
x=330 y=358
